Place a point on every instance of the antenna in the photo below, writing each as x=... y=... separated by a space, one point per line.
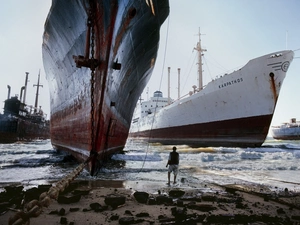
x=286 y=39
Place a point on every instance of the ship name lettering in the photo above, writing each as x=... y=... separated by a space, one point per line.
x=228 y=83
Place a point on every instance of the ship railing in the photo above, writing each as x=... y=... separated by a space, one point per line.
x=294 y=125
x=188 y=94
x=35 y=111
x=10 y=113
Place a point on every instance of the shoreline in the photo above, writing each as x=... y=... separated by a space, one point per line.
x=146 y=202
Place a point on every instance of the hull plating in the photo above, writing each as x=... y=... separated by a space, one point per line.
x=234 y=110
x=12 y=130
x=126 y=33
x=245 y=132
x=289 y=132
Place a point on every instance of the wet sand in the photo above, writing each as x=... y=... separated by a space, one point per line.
x=144 y=202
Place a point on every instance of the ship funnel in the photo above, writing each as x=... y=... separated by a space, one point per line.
x=21 y=92
x=26 y=80
x=8 y=94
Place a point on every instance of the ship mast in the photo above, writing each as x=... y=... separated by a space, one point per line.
x=178 y=83
x=37 y=93
x=200 y=50
x=169 y=100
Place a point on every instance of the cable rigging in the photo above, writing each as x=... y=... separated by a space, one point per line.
x=155 y=109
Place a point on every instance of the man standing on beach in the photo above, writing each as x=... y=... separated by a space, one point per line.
x=173 y=162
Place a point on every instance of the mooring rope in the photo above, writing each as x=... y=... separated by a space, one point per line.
x=155 y=110
x=34 y=207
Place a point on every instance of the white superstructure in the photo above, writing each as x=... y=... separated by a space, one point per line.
x=233 y=110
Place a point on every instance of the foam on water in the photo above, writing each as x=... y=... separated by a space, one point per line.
x=137 y=157
x=274 y=163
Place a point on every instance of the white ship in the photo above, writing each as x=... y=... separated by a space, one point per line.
x=287 y=131
x=234 y=110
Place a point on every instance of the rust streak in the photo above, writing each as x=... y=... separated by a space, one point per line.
x=122 y=30
x=273 y=87
x=102 y=72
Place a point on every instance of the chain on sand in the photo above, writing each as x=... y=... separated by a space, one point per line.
x=34 y=208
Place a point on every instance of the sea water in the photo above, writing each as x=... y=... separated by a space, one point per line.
x=275 y=164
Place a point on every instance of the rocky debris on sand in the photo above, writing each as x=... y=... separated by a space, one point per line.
x=207 y=208
x=141 y=196
x=176 y=193
x=15 y=196
x=63 y=199
x=97 y=207
x=114 y=201
x=232 y=205
x=12 y=197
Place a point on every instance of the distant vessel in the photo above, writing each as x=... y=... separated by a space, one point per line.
x=234 y=110
x=98 y=57
x=21 y=122
x=287 y=131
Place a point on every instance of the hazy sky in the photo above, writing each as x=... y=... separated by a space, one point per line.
x=234 y=31
x=22 y=25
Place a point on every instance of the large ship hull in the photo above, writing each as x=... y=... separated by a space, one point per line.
x=287 y=131
x=125 y=42
x=235 y=110
x=20 y=122
x=21 y=129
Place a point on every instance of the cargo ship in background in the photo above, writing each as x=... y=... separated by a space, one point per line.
x=234 y=110
x=287 y=131
x=21 y=122
x=98 y=57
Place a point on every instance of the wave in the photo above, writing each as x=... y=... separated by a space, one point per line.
x=287 y=146
x=31 y=162
x=297 y=154
x=27 y=152
x=251 y=155
x=142 y=157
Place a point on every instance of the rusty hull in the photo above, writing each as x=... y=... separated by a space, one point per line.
x=126 y=44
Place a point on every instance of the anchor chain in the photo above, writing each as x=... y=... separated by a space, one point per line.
x=89 y=61
x=85 y=61
x=94 y=64
x=91 y=24
x=35 y=207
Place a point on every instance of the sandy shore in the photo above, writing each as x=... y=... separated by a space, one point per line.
x=118 y=202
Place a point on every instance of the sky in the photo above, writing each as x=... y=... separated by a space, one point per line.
x=233 y=32
x=22 y=25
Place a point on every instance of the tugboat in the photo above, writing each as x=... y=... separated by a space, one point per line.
x=20 y=122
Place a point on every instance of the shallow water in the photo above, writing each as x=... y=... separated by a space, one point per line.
x=275 y=164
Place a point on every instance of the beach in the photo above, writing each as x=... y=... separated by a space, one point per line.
x=144 y=202
x=214 y=186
